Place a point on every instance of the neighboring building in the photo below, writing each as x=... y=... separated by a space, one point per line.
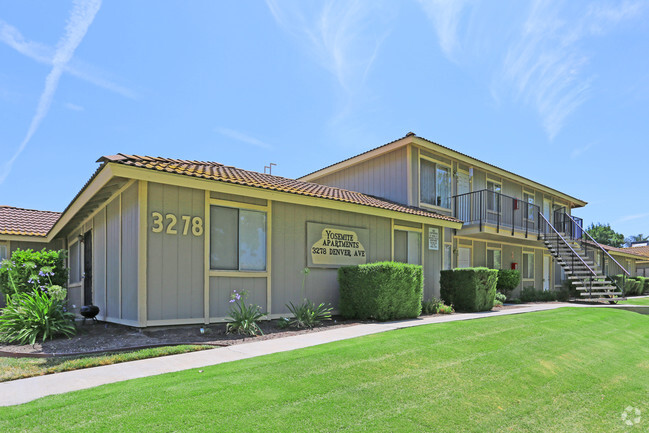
x=640 y=249
x=157 y=241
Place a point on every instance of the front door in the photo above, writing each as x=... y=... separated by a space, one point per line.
x=546 y=273
x=547 y=209
x=464 y=257
x=87 y=268
x=464 y=204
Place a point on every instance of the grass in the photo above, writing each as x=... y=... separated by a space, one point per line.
x=637 y=301
x=572 y=369
x=16 y=368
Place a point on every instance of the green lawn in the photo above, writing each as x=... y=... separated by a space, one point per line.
x=568 y=370
x=637 y=301
x=16 y=368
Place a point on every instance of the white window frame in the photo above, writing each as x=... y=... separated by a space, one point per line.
x=436 y=163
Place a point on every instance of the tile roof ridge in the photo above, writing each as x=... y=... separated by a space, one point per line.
x=6 y=206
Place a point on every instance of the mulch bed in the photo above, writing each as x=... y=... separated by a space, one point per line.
x=99 y=337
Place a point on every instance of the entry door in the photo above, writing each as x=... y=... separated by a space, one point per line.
x=463 y=187
x=464 y=257
x=547 y=209
x=546 y=273
x=87 y=268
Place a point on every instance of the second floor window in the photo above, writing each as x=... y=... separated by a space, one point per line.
x=435 y=184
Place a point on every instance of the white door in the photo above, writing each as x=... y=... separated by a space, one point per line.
x=546 y=273
x=464 y=257
x=464 y=204
x=547 y=209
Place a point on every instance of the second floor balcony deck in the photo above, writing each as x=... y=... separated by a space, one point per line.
x=492 y=211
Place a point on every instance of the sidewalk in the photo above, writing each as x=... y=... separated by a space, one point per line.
x=25 y=390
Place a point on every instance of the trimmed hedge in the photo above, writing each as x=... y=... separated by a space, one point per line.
x=632 y=287
x=469 y=289
x=381 y=291
x=508 y=280
x=645 y=284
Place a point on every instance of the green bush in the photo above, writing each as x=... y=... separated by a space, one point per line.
x=499 y=299
x=29 y=316
x=381 y=291
x=243 y=318
x=435 y=306
x=530 y=294
x=632 y=287
x=508 y=280
x=28 y=271
x=645 y=284
x=469 y=289
x=307 y=314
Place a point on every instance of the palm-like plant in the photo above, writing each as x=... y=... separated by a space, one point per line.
x=636 y=238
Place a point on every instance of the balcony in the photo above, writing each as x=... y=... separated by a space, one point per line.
x=497 y=213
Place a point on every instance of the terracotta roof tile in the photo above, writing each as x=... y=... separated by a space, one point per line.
x=30 y=222
x=223 y=173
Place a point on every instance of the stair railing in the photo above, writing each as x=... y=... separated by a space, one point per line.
x=619 y=269
x=575 y=258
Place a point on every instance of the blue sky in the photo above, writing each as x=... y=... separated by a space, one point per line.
x=555 y=91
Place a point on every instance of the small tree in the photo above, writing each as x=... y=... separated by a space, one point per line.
x=604 y=234
x=508 y=280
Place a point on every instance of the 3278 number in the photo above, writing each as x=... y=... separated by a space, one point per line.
x=171 y=221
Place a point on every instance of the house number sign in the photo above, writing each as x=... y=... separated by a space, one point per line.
x=169 y=222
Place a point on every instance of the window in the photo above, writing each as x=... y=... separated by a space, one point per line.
x=493 y=196
x=237 y=239
x=528 y=198
x=4 y=251
x=494 y=259
x=528 y=266
x=434 y=183
x=407 y=247
x=448 y=257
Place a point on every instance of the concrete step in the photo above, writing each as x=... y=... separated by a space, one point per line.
x=593 y=293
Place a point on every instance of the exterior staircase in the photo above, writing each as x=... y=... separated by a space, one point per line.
x=567 y=247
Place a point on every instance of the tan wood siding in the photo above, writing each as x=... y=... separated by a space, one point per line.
x=384 y=176
x=129 y=256
x=238 y=198
x=174 y=262
x=113 y=222
x=289 y=251
x=99 y=263
x=432 y=264
x=222 y=287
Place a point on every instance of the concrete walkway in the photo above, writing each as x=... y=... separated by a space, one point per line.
x=25 y=390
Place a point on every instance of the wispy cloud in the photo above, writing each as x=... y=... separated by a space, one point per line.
x=81 y=16
x=548 y=65
x=243 y=137
x=445 y=16
x=11 y=36
x=73 y=107
x=577 y=152
x=545 y=65
x=343 y=36
x=633 y=217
